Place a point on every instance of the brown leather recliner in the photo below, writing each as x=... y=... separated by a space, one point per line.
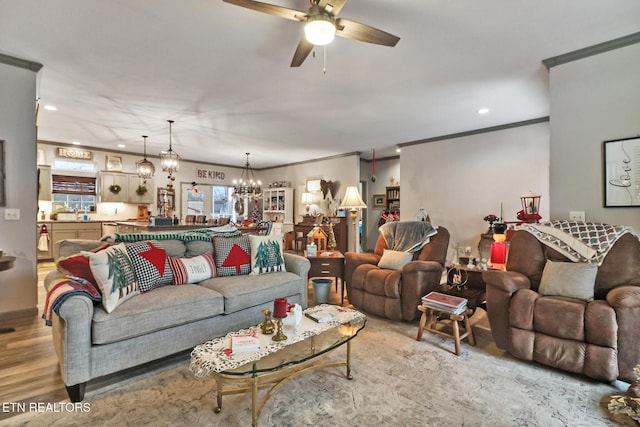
x=598 y=338
x=395 y=294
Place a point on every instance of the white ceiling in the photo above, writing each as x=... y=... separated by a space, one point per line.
x=118 y=69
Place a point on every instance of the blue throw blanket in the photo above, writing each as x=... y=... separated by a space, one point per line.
x=407 y=236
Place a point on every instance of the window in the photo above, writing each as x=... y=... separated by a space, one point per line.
x=71 y=193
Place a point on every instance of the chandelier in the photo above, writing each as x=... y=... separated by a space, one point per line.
x=144 y=167
x=170 y=160
x=246 y=186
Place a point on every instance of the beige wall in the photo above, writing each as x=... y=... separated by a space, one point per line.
x=459 y=181
x=593 y=100
x=18 y=238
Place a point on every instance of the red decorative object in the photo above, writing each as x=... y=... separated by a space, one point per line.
x=530 y=208
x=237 y=257
x=280 y=306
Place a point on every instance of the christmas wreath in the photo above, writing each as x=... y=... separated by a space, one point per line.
x=141 y=190
x=115 y=188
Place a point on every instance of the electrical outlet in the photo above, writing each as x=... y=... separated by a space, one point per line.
x=12 y=214
x=576 y=216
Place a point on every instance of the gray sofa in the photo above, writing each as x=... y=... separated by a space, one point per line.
x=91 y=343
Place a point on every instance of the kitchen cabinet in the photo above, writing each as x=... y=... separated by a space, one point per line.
x=129 y=183
x=277 y=206
x=73 y=230
x=108 y=179
x=44 y=182
x=132 y=194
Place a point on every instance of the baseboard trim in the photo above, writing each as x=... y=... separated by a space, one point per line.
x=19 y=313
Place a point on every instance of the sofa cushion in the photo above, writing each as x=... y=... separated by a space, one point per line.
x=163 y=307
x=150 y=264
x=114 y=275
x=569 y=279
x=174 y=248
x=232 y=255
x=198 y=247
x=241 y=292
x=192 y=270
x=267 y=254
x=560 y=317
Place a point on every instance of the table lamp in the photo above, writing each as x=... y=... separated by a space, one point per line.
x=307 y=199
x=353 y=202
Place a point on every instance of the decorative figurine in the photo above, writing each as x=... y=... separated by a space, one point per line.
x=267 y=326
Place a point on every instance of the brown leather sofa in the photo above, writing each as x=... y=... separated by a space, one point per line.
x=395 y=294
x=598 y=338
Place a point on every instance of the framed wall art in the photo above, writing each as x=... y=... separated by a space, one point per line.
x=621 y=161
x=379 y=200
x=114 y=163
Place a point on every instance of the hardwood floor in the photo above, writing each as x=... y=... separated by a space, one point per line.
x=29 y=369
x=29 y=364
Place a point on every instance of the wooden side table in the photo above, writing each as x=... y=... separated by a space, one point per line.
x=328 y=266
x=430 y=318
x=6 y=263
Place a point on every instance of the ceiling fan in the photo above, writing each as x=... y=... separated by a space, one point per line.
x=321 y=25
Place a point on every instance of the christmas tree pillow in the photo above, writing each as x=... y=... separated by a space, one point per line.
x=150 y=264
x=266 y=254
x=114 y=275
x=232 y=255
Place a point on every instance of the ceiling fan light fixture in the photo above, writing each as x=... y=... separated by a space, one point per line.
x=320 y=29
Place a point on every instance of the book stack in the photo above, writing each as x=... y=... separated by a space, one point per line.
x=445 y=303
x=321 y=316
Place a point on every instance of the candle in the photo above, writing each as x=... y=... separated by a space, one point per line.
x=498 y=253
x=500 y=211
x=280 y=308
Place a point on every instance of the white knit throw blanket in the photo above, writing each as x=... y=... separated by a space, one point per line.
x=579 y=241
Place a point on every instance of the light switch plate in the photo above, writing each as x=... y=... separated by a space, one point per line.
x=576 y=216
x=12 y=214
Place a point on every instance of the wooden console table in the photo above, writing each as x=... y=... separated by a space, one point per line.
x=6 y=263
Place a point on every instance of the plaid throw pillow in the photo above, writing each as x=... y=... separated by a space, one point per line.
x=232 y=255
x=150 y=264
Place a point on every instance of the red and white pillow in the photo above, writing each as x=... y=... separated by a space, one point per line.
x=232 y=255
x=192 y=270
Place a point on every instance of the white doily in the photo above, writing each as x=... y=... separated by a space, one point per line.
x=215 y=355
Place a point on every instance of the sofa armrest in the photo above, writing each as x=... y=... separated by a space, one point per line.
x=501 y=285
x=353 y=260
x=625 y=300
x=299 y=265
x=72 y=339
x=418 y=279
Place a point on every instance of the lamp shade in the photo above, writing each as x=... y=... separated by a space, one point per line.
x=307 y=198
x=352 y=199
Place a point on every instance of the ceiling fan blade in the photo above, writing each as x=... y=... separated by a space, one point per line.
x=302 y=51
x=364 y=33
x=332 y=6
x=271 y=9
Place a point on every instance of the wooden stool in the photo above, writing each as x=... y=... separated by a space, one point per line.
x=429 y=320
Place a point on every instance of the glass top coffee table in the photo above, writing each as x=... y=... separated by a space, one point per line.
x=277 y=362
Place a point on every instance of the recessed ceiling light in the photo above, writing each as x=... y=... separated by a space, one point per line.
x=50 y=107
x=397 y=150
x=121 y=146
x=75 y=143
x=483 y=111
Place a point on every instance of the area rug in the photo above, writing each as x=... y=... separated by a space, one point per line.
x=398 y=381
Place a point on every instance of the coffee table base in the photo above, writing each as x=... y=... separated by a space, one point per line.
x=273 y=380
